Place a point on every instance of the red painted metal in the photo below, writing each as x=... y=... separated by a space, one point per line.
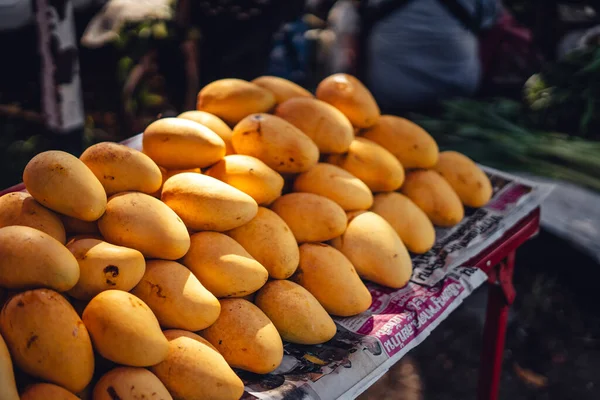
x=488 y=259
x=16 y=188
x=494 y=334
x=498 y=261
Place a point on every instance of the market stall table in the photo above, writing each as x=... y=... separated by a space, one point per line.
x=481 y=248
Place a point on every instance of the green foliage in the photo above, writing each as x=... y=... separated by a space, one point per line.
x=494 y=133
x=564 y=95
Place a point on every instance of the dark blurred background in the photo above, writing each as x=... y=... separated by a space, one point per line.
x=514 y=84
x=75 y=72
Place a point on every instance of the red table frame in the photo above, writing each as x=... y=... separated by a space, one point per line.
x=498 y=262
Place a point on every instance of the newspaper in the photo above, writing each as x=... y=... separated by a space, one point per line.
x=367 y=345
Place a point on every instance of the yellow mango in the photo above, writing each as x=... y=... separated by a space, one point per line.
x=104 y=266
x=172 y=172
x=7 y=375
x=128 y=383
x=142 y=222
x=245 y=337
x=166 y=174
x=297 y=314
x=76 y=226
x=223 y=266
x=178 y=143
x=234 y=99
x=470 y=183
x=336 y=184
x=176 y=297
x=372 y=164
x=19 y=208
x=250 y=175
x=409 y=221
x=120 y=168
x=63 y=183
x=206 y=203
x=194 y=369
x=329 y=276
x=214 y=123
x=312 y=218
x=47 y=391
x=276 y=142
x=281 y=88
x=434 y=195
x=375 y=250
x=410 y=143
x=350 y=96
x=47 y=339
x=30 y=258
x=327 y=126
x=124 y=329
x=270 y=241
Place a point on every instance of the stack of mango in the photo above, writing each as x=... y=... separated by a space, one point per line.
x=245 y=223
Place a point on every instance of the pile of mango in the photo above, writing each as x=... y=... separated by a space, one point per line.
x=245 y=223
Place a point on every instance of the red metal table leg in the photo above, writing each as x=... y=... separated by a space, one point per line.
x=500 y=296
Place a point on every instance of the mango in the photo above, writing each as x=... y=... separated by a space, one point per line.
x=142 y=222
x=270 y=241
x=46 y=391
x=336 y=184
x=245 y=337
x=124 y=329
x=194 y=369
x=250 y=175
x=372 y=164
x=410 y=143
x=166 y=174
x=54 y=177
x=434 y=195
x=276 y=142
x=104 y=266
x=214 y=123
x=30 y=258
x=172 y=172
x=206 y=203
x=470 y=183
x=223 y=266
x=120 y=168
x=329 y=276
x=281 y=88
x=234 y=99
x=47 y=339
x=327 y=126
x=312 y=218
x=297 y=314
x=74 y=226
x=350 y=96
x=375 y=250
x=409 y=221
x=19 y=208
x=176 y=297
x=178 y=143
x=128 y=383
x=7 y=375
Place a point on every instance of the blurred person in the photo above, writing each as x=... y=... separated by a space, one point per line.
x=418 y=52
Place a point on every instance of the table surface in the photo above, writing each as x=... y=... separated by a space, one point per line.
x=366 y=346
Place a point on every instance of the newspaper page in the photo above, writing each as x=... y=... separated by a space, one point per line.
x=367 y=345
